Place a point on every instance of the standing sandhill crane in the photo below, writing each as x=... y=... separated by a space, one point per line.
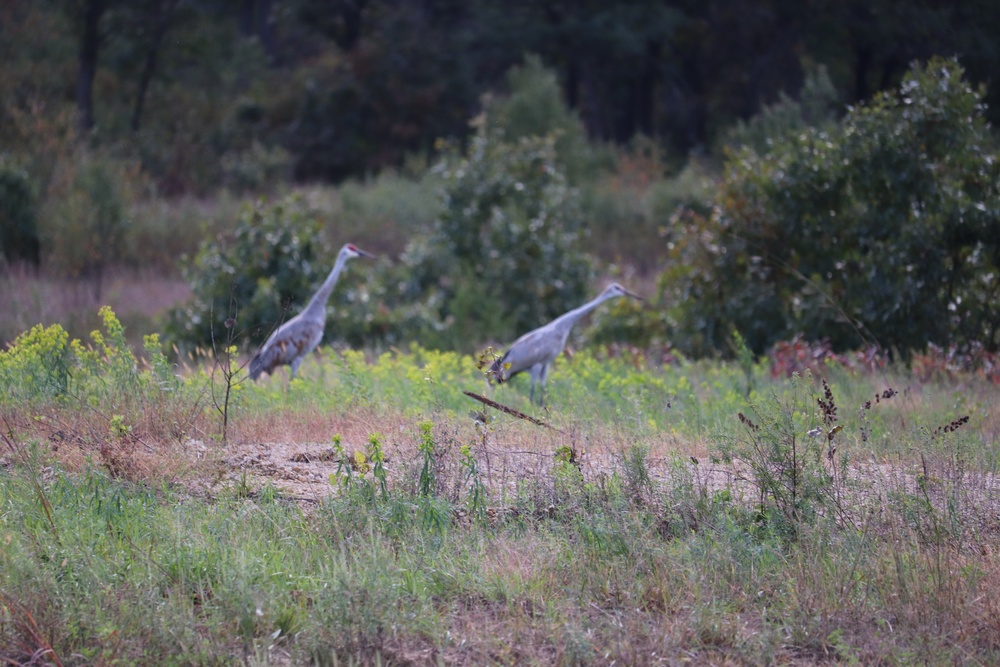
x=300 y=335
x=536 y=350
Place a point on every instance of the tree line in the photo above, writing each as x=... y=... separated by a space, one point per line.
x=350 y=86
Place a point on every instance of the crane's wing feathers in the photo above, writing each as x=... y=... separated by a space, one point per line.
x=530 y=349
x=265 y=359
x=293 y=339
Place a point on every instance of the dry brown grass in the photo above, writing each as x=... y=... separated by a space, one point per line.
x=138 y=297
x=79 y=438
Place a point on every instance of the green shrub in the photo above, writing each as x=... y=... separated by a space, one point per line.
x=504 y=256
x=883 y=228
x=44 y=364
x=37 y=365
x=260 y=276
x=814 y=108
x=534 y=107
x=505 y=252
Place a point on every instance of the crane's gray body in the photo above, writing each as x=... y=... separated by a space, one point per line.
x=296 y=338
x=536 y=350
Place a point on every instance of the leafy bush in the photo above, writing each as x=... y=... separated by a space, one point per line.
x=259 y=277
x=504 y=256
x=504 y=253
x=883 y=228
x=814 y=108
x=534 y=107
x=37 y=365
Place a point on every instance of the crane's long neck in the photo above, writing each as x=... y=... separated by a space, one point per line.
x=317 y=305
x=565 y=322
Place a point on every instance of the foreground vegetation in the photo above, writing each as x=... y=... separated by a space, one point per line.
x=687 y=511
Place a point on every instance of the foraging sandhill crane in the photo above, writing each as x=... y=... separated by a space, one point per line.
x=300 y=335
x=536 y=350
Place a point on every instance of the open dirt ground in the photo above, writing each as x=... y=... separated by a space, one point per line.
x=513 y=453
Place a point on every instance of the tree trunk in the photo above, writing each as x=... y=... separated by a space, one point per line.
x=265 y=30
x=256 y=21
x=89 y=47
x=161 y=20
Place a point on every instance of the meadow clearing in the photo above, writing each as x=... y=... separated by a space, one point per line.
x=709 y=483
x=369 y=512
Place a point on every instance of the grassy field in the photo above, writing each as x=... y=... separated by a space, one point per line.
x=369 y=512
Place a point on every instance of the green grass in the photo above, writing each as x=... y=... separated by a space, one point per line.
x=135 y=574
x=654 y=527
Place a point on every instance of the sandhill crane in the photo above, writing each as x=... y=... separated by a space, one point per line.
x=300 y=335
x=536 y=350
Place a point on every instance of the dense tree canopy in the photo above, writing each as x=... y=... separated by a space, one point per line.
x=348 y=87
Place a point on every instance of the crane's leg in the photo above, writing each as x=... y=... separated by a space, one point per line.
x=296 y=362
x=543 y=378
x=536 y=371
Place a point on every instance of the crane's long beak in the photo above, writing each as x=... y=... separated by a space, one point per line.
x=633 y=295
x=364 y=253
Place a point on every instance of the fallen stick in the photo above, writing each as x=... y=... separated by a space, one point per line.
x=510 y=411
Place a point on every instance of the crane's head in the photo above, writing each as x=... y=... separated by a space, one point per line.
x=499 y=371
x=614 y=289
x=351 y=250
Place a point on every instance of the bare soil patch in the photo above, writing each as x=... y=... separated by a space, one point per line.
x=294 y=453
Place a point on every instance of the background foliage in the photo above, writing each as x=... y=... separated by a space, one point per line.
x=505 y=253
x=502 y=255
x=882 y=228
x=138 y=128
x=18 y=216
x=258 y=278
x=87 y=225
x=201 y=91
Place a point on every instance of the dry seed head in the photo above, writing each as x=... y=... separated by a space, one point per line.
x=827 y=405
x=952 y=426
x=746 y=420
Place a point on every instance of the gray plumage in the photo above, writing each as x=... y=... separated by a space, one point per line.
x=296 y=338
x=536 y=350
